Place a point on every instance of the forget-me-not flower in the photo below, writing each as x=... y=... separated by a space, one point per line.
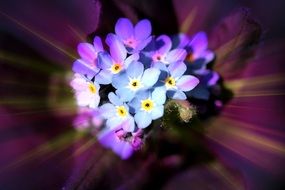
x=148 y=106
x=117 y=114
x=135 y=78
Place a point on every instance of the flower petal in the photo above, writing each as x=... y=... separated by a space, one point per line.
x=104 y=77
x=98 y=46
x=176 y=94
x=163 y=44
x=117 y=48
x=142 y=29
x=125 y=94
x=94 y=101
x=81 y=67
x=83 y=98
x=157 y=112
x=129 y=124
x=104 y=60
x=107 y=110
x=199 y=43
x=177 y=69
x=120 y=80
x=150 y=77
x=87 y=52
x=176 y=55
x=159 y=95
x=114 y=122
x=114 y=99
x=131 y=58
x=143 y=119
x=135 y=70
x=124 y=28
x=187 y=82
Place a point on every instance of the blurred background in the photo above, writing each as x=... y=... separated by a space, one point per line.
x=242 y=147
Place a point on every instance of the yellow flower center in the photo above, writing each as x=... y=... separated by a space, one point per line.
x=122 y=111
x=147 y=105
x=170 y=82
x=116 y=68
x=92 y=88
x=134 y=84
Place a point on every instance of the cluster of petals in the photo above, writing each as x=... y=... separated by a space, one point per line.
x=138 y=73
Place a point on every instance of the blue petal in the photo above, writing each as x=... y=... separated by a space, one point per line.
x=134 y=105
x=131 y=58
x=178 y=95
x=125 y=94
x=159 y=95
x=117 y=48
x=150 y=77
x=114 y=99
x=81 y=67
x=104 y=77
x=104 y=60
x=159 y=65
x=135 y=70
x=129 y=124
x=120 y=80
x=177 y=69
x=143 y=119
x=107 y=110
x=142 y=29
x=157 y=112
x=124 y=28
x=114 y=122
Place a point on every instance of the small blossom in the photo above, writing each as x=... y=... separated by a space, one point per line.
x=175 y=83
x=148 y=106
x=159 y=51
x=108 y=138
x=87 y=65
x=117 y=114
x=115 y=62
x=134 y=79
x=135 y=38
x=86 y=91
x=198 y=54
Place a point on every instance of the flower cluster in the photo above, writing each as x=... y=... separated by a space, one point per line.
x=127 y=84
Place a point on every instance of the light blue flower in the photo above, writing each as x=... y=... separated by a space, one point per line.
x=117 y=114
x=134 y=79
x=148 y=106
x=175 y=83
x=115 y=62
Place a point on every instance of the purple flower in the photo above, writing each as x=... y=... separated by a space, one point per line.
x=117 y=114
x=175 y=83
x=87 y=65
x=115 y=62
x=198 y=54
x=134 y=79
x=86 y=91
x=109 y=139
x=135 y=38
x=148 y=106
x=159 y=51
